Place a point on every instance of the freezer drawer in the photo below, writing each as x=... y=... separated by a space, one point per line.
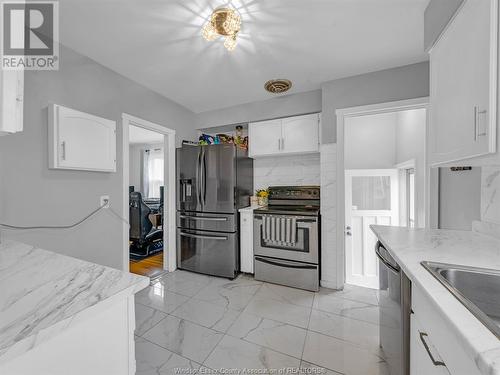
x=285 y=272
x=211 y=253
x=206 y=221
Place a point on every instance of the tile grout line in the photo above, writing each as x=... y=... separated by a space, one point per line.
x=307 y=331
x=168 y=350
x=225 y=333
x=278 y=298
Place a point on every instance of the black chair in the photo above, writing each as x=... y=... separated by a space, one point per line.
x=145 y=239
x=160 y=209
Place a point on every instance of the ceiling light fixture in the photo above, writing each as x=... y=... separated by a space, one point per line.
x=224 y=22
x=278 y=86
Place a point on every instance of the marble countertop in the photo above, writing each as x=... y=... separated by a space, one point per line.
x=42 y=293
x=409 y=247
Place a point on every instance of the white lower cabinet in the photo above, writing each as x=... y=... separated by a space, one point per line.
x=424 y=357
x=436 y=348
x=246 y=240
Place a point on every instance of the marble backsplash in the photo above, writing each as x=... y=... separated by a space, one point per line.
x=490 y=202
x=490 y=194
x=286 y=170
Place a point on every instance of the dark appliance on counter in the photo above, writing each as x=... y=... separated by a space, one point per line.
x=213 y=182
x=395 y=310
x=287 y=237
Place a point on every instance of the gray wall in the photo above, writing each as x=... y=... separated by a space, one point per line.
x=370 y=141
x=459 y=198
x=33 y=194
x=405 y=82
x=281 y=106
x=437 y=15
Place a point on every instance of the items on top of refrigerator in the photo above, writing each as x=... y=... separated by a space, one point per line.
x=238 y=140
x=235 y=138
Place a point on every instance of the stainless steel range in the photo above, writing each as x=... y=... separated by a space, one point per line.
x=286 y=237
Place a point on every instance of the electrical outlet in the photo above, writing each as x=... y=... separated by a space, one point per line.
x=104 y=201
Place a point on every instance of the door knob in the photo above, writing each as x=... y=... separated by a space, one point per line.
x=348 y=233
x=348 y=227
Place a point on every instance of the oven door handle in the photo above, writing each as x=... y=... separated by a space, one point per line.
x=279 y=264
x=384 y=261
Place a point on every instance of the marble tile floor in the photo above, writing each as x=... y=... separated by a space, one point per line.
x=187 y=323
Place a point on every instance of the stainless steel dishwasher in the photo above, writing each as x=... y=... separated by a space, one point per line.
x=395 y=310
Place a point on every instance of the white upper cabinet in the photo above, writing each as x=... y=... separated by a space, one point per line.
x=463 y=92
x=301 y=134
x=11 y=101
x=291 y=135
x=81 y=141
x=264 y=138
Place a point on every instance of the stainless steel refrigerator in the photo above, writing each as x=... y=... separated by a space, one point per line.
x=213 y=182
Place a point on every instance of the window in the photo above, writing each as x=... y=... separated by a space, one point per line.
x=410 y=197
x=153 y=172
x=371 y=192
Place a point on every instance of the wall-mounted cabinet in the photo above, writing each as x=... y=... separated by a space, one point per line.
x=11 y=101
x=463 y=92
x=291 y=135
x=81 y=141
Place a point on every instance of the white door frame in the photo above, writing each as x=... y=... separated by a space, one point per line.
x=372 y=109
x=169 y=243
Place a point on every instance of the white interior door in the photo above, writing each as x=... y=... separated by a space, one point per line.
x=371 y=197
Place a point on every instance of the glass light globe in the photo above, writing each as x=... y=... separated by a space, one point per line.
x=230 y=42
x=209 y=32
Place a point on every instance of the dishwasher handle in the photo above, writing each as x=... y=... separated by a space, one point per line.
x=383 y=260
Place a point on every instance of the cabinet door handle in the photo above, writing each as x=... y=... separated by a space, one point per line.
x=63 y=150
x=279 y=144
x=477 y=132
x=282 y=143
x=423 y=335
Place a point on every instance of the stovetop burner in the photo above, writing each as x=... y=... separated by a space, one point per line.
x=293 y=200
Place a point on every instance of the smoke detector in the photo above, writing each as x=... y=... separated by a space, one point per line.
x=278 y=86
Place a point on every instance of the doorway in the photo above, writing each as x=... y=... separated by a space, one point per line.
x=148 y=197
x=371 y=198
x=381 y=174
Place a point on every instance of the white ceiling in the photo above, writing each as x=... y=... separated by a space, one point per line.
x=143 y=136
x=158 y=43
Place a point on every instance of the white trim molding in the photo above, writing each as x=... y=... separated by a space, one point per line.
x=169 y=235
x=365 y=110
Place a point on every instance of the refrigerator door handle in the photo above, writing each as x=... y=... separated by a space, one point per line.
x=198 y=176
x=208 y=218
x=203 y=178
